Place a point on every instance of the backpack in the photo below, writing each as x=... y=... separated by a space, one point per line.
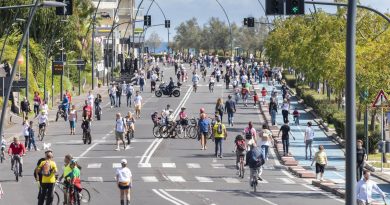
x=241 y=145
x=256 y=159
x=219 y=129
x=248 y=134
x=46 y=169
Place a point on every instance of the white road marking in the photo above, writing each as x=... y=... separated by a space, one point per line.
x=338 y=181
x=165 y=197
x=231 y=180
x=324 y=193
x=95 y=179
x=336 y=173
x=168 y=165
x=111 y=157
x=288 y=174
x=193 y=165
x=176 y=179
x=94 y=165
x=150 y=179
x=116 y=165
x=259 y=191
x=218 y=166
x=87 y=150
x=172 y=197
x=144 y=165
x=147 y=151
x=260 y=198
x=204 y=179
x=287 y=180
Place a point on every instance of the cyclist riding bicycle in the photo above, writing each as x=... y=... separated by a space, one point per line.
x=43 y=120
x=130 y=123
x=87 y=110
x=17 y=150
x=255 y=160
x=3 y=146
x=65 y=104
x=155 y=118
x=183 y=119
x=73 y=179
x=195 y=79
x=240 y=148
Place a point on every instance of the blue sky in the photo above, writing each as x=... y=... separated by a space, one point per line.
x=181 y=10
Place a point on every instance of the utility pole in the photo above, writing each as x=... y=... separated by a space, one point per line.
x=27 y=60
x=93 y=53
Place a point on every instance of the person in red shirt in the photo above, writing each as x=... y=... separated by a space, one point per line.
x=67 y=93
x=17 y=150
x=87 y=110
x=263 y=95
x=255 y=99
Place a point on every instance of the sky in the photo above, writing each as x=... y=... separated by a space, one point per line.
x=181 y=10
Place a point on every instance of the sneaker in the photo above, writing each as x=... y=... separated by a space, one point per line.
x=117 y=149
x=220 y=156
x=37 y=149
x=259 y=178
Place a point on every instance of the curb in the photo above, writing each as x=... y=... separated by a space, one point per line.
x=331 y=187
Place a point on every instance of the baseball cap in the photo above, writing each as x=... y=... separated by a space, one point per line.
x=49 y=150
x=123 y=161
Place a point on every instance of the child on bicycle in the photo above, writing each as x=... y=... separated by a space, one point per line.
x=240 y=148
x=73 y=178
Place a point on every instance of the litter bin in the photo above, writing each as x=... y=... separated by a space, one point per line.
x=387 y=146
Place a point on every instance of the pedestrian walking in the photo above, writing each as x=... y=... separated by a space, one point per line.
x=219 y=108
x=138 y=104
x=37 y=103
x=141 y=82
x=31 y=139
x=25 y=107
x=118 y=95
x=250 y=132
x=204 y=129
x=296 y=116
x=112 y=94
x=285 y=110
x=286 y=131
x=273 y=109
x=308 y=139
x=321 y=161
x=361 y=157
x=255 y=99
x=124 y=182
x=129 y=93
x=120 y=130
x=48 y=169
x=72 y=119
x=230 y=109
x=266 y=140
x=25 y=131
x=219 y=134
x=364 y=189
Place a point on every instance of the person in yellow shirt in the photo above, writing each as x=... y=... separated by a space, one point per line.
x=219 y=133
x=321 y=161
x=48 y=169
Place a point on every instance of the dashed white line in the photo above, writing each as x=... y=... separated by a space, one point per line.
x=179 y=179
x=150 y=179
x=203 y=179
x=94 y=166
x=193 y=165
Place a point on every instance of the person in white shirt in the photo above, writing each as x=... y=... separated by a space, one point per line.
x=112 y=93
x=43 y=120
x=120 y=130
x=364 y=189
x=44 y=107
x=124 y=85
x=25 y=131
x=124 y=181
x=266 y=141
x=138 y=104
x=309 y=137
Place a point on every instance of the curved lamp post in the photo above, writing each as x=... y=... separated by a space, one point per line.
x=230 y=26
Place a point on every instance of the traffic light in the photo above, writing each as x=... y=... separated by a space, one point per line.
x=167 y=23
x=274 y=7
x=251 y=22
x=147 y=20
x=295 y=7
x=66 y=10
x=245 y=21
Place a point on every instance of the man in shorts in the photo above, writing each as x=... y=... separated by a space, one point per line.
x=120 y=129
x=138 y=104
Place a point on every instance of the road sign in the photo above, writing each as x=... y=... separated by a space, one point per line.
x=58 y=68
x=380 y=99
x=80 y=64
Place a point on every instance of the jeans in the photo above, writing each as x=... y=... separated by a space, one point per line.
x=264 y=150
x=285 y=145
x=359 y=171
x=296 y=120
x=230 y=117
x=273 y=117
x=26 y=140
x=47 y=190
x=308 y=144
x=118 y=100
x=221 y=116
x=128 y=100
x=20 y=160
x=285 y=115
x=218 y=144
x=112 y=98
x=260 y=78
x=36 y=109
x=31 y=141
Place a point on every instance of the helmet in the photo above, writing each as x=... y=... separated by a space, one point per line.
x=201 y=110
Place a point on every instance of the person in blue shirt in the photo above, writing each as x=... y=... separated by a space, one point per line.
x=204 y=129
x=65 y=104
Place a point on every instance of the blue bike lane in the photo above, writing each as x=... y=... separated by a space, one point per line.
x=335 y=171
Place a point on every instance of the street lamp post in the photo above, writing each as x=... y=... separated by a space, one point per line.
x=20 y=46
x=230 y=26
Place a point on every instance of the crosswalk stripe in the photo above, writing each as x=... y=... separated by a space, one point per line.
x=150 y=179
x=193 y=165
x=116 y=165
x=260 y=182
x=168 y=165
x=144 y=165
x=176 y=179
x=231 y=180
x=287 y=180
x=218 y=166
x=95 y=179
x=204 y=179
x=94 y=166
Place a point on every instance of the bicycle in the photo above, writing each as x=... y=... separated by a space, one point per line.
x=253 y=178
x=81 y=197
x=192 y=129
x=42 y=131
x=195 y=86
x=87 y=137
x=16 y=167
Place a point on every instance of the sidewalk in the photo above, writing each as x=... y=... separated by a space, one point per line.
x=335 y=171
x=16 y=129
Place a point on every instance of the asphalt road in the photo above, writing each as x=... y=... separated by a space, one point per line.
x=165 y=172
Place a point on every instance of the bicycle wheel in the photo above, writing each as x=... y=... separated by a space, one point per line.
x=242 y=170
x=192 y=132
x=85 y=196
x=156 y=131
x=164 y=131
x=16 y=170
x=56 y=198
x=180 y=132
